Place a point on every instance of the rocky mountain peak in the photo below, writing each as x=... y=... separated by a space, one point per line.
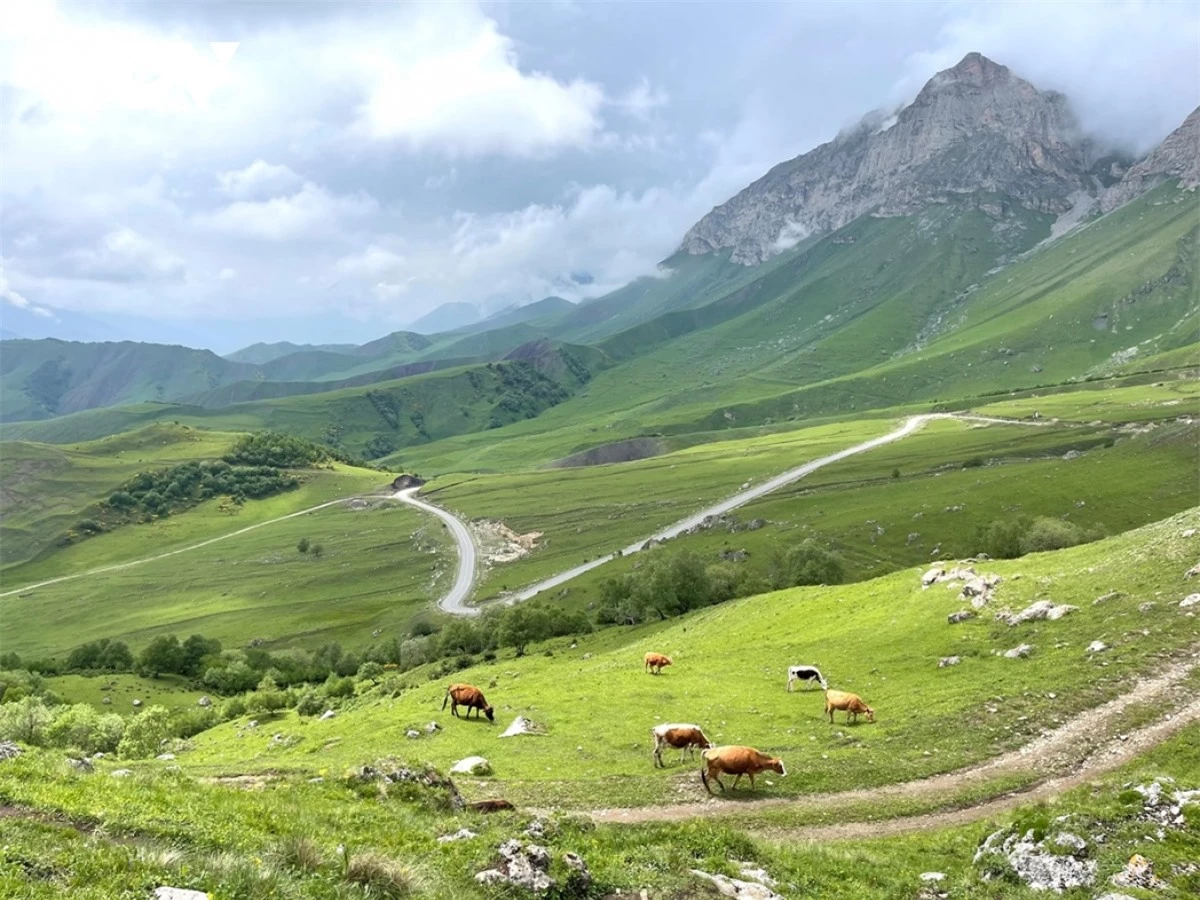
x=1178 y=156
x=974 y=127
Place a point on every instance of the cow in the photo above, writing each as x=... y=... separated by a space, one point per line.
x=655 y=662
x=851 y=703
x=469 y=696
x=737 y=761
x=806 y=673
x=684 y=738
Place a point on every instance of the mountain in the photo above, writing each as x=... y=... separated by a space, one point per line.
x=974 y=127
x=446 y=317
x=40 y=379
x=51 y=322
x=260 y=354
x=1178 y=156
x=548 y=308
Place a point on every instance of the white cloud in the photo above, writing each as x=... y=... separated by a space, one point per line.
x=258 y=180
x=12 y=298
x=451 y=82
x=642 y=99
x=372 y=262
x=124 y=255
x=227 y=274
x=310 y=212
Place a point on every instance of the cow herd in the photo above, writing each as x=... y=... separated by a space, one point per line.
x=687 y=738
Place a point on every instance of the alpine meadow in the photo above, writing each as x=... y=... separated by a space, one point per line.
x=916 y=411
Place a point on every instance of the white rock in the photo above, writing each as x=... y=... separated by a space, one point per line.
x=1097 y=647
x=1189 y=532
x=137 y=702
x=165 y=756
x=328 y=714
x=410 y=734
x=463 y=834
x=1189 y=600
x=472 y=765
x=1019 y=652
x=522 y=725
x=174 y=893
x=733 y=887
x=948 y=661
x=1042 y=609
x=121 y=773
x=204 y=701
x=932 y=876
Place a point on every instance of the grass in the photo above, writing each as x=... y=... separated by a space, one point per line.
x=881 y=639
x=171 y=691
x=381 y=566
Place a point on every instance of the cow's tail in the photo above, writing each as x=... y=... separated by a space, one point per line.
x=446 y=699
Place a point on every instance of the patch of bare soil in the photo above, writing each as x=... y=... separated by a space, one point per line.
x=1080 y=749
x=498 y=543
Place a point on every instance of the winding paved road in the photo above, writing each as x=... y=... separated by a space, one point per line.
x=455 y=602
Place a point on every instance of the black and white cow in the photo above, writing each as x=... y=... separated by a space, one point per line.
x=806 y=673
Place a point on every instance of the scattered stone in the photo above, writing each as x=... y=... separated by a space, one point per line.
x=1042 y=609
x=427 y=777
x=1147 y=606
x=527 y=868
x=1097 y=647
x=1193 y=571
x=204 y=701
x=1138 y=873
x=253 y=723
x=587 y=656
x=913 y=537
x=1163 y=804
x=165 y=757
x=580 y=878
x=754 y=873
x=536 y=829
x=961 y=616
x=121 y=773
x=107 y=701
x=932 y=876
x=948 y=661
x=412 y=735
x=137 y=703
x=83 y=765
x=1041 y=869
x=328 y=714
x=1189 y=600
x=463 y=834
x=1104 y=598
x=734 y=887
x=1021 y=651
x=174 y=893
x=1189 y=532
x=522 y=725
x=472 y=765
x=432 y=727
x=9 y=750
x=734 y=555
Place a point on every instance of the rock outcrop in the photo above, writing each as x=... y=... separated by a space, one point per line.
x=1178 y=156
x=974 y=127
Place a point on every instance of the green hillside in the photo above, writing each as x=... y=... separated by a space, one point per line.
x=260 y=353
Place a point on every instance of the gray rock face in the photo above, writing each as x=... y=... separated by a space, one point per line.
x=975 y=127
x=526 y=868
x=1035 y=863
x=1178 y=156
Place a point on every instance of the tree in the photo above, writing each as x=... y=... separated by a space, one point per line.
x=195 y=651
x=1051 y=534
x=317 y=550
x=268 y=698
x=26 y=720
x=370 y=671
x=163 y=654
x=808 y=563
x=145 y=733
x=230 y=679
x=303 y=545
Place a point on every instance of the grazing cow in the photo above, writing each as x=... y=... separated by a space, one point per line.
x=806 y=673
x=737 y=761
x=684 y=738
x=851 y=703
x=655 y=662
x=469 y=696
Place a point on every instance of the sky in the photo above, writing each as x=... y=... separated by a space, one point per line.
x=221 y=173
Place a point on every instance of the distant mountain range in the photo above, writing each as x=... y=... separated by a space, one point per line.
x=972 y=242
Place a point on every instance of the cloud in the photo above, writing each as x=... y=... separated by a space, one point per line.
x=642 y=99
x=12 y=298
x=124 y=255
x=258 y=180
x=227 y=274
x=310 y=212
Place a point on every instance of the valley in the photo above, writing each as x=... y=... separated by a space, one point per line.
x=919 y=407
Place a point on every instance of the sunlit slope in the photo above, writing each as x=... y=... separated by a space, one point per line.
x=881 y=639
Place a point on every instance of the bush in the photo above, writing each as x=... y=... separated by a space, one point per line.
x=317 y=551
x=233 y=678
x=145 y=733
x=82 y=728
x=105 y=654
x=370 y=671
x=808 y=563
x=26 y=720
x=338 y=687
x=1001 y=539
x=303 y=545
x=310 y=703
x=1051 y=534
x=268 y=698
x=233 y=708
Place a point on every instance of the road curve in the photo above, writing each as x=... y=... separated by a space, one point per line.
x=455 y=602
x=911 y=424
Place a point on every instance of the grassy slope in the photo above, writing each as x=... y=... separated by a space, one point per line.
x=881 y=639
x=381 y=567
x=171 y=691
x=45 y=489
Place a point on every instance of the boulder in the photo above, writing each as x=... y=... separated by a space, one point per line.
x=83 y=765
x=9 y=750
x=1019 y=652
x=1034 y=863
x=165 y=757
x=522 y=725
x=526 y=868
x=961 y=616
x=204 y=701
x=412 y=735
x=1188 y=532
x=174 y=893
x=328 y=714
x=580 y=878
x=948 y=661
x=1189 y=601
x=734 y=887
x=1042 y=609
x=1193 y=571
x=472 y=765
x=1097 y=647
x=107 y=701
x=1138 y=873
x=137 y=703
x=432 y=727
x=932 y=876
x=121 y=773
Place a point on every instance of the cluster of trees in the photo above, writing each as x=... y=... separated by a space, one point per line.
x=180 y=487
x=525 y=393
x=277 y=450
x=667 y=585
x=1010 y=538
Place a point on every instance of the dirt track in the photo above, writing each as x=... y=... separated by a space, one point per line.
x=1078 y=750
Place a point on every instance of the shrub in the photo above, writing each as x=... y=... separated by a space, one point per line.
x=370 y=671
x=230 y=679
x=80 y=727
x=1001 y=539
x=379 y=876
x=26 y=721
x=808 y=563
x=268 y=698
x=145 y=733
x=303 y=545
x=233 y=708
x=338 y=687
x=300 y=853
x=310 y=703
x=1051 y=534
x=317 y=550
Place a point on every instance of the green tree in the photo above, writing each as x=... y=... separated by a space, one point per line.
x=807 y=563
x=303 y=545
x=195 y=651
x=370 y=671
x=26 y=721
x=317 y=550
x=162 y=655
x=145 y=733
x=1051 y=534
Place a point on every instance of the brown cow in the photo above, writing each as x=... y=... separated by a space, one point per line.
x=684 y=738
x=655 y=662
x=851 y=703
x=469 y=696
x=737 y=761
